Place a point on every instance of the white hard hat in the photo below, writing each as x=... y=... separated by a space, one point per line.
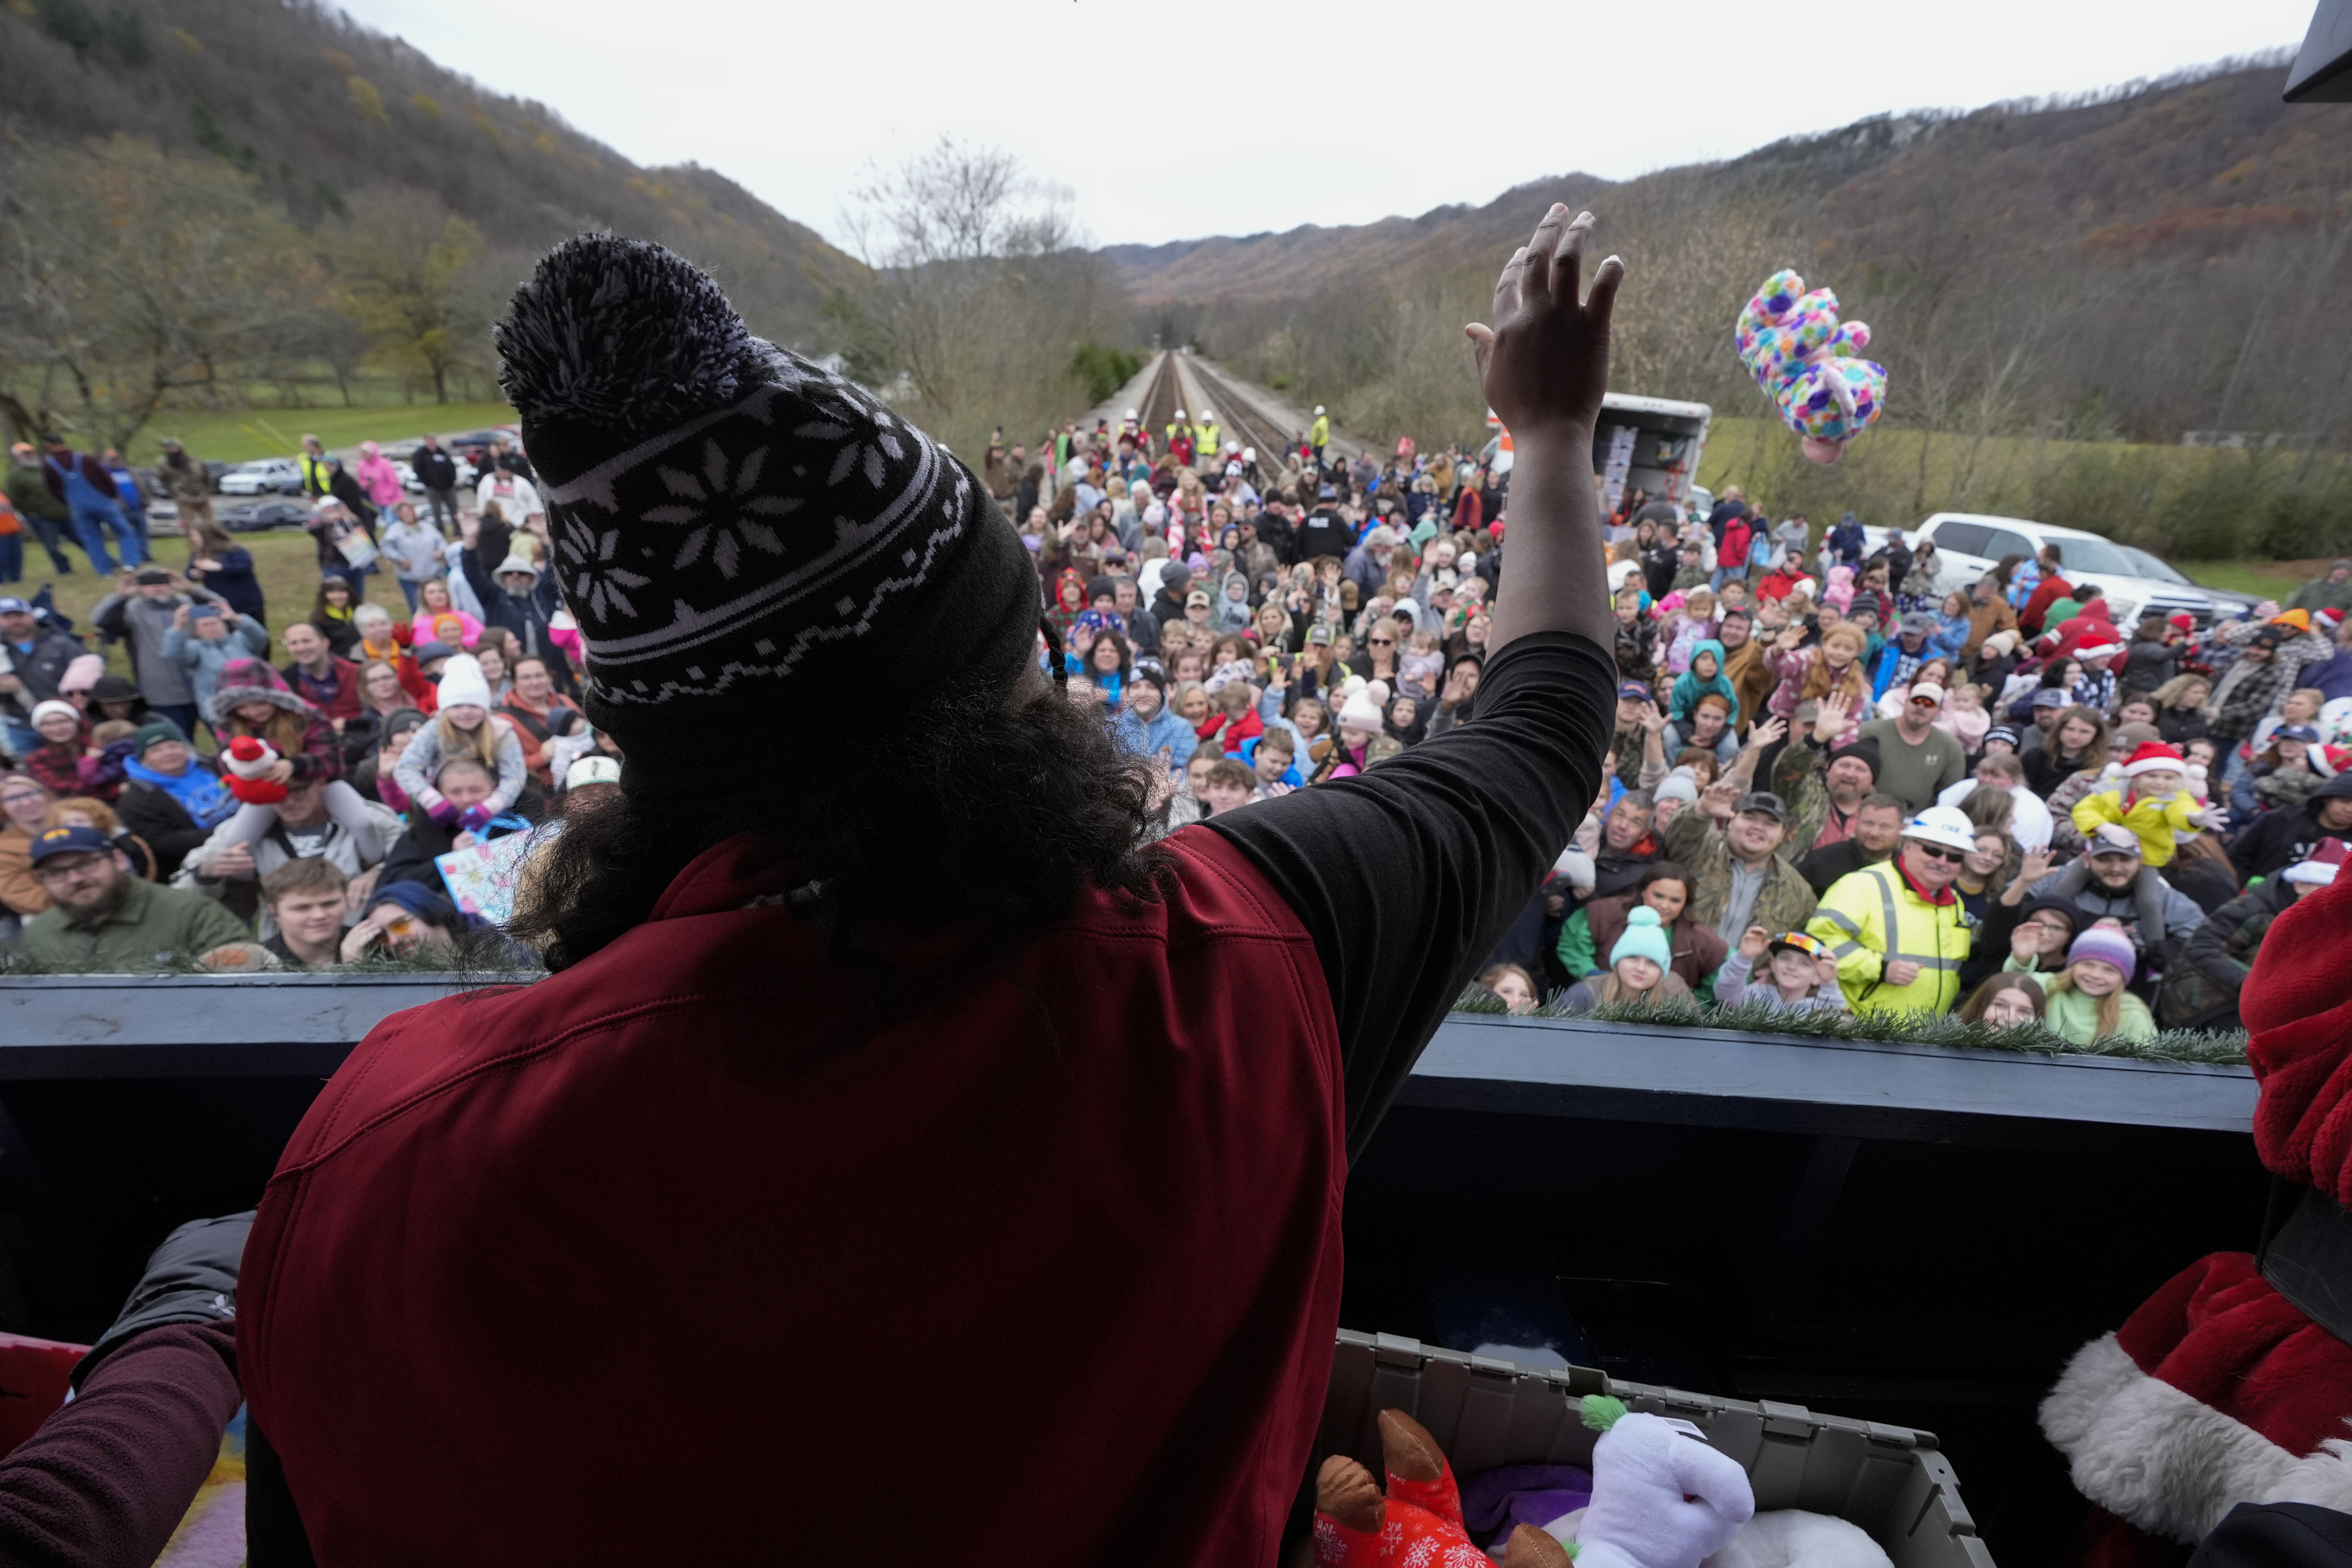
x=1180 y=413
x=1318 y=409
x=1130 y=413
x=1233 y=445
x=1946 y=824
x=1208 y=414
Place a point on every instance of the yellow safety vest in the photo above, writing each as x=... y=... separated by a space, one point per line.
x=1205 y=441
x=1871 y=918
x=317 y=479
x=1320 y=435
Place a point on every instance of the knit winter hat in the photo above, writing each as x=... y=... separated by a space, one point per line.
x=741 y=534
x=463 y=682
x=45 y=709
x=2108 y=944
x=1643 y=938
x=2155 y=756
x=1361 y=712
x=1865 y=751
x=83 y=672
x=154 y=734
x=1680 y=784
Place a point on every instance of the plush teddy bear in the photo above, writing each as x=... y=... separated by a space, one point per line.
x=1808 y=364
x=249 y=759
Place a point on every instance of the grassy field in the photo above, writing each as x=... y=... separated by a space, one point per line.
x=251 y=433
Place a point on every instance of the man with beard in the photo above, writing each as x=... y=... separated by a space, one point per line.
x=1824 y=782
x=103 y=918
x=930 y=1045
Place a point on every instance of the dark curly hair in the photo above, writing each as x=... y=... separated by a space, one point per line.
x=992 y=809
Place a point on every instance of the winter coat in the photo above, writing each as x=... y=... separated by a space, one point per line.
x=2075 y=1016
x=233 y=579
x=1896 y=666
x=1986 y=619
x=2248 y=690
x=200 y=659
x=21 y=892
x=164 y=820
x=1695 y=842
x=1586 y=937
x=378 y=479
x=1584 y=996
x=2149 y=664
x=155 y=927
x=146 y=625
x=1875 y=917
x=1689 y=687
x=2222 y=952
x=535 y=729
x=318 y=755
x=185 y=480
x=2277 y=839
x=434 y=468
x=39 y=668
x=1166 y=728
x=2153 y=822
x=421 y=763
x=529 y=616
x=2161 y=915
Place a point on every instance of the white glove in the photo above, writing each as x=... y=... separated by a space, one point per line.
x=1660 y=1499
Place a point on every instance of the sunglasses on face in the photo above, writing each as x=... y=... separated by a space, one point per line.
x=1955 y=857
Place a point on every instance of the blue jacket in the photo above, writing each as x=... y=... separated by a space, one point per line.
x=1883 y=673
x=1167 y=728
x=203 y=659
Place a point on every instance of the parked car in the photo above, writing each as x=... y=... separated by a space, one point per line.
x=255 y=517
x=2225 y=601
x=1972 y=544
x=280 y=476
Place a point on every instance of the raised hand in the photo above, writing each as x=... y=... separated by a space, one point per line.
x=1765 y=732
x=1753 y=942
x=1544 y=362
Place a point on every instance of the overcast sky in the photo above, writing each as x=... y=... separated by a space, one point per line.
x=1207 y=117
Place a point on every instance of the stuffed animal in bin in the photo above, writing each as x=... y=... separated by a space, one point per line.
x=1808 y=363
x=1662 y=1498
x=1418 y=1522
x=247 y=761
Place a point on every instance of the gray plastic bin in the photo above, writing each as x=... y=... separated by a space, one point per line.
x=1890 y=1481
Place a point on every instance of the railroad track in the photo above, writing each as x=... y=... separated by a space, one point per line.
x=1242 y=419
x=1159 y=404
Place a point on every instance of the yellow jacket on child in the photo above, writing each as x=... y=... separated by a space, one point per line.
x=2153 y=820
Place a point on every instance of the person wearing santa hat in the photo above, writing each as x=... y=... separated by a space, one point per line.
x=861 y=1070
x=2232 y=1384
x=2146 y=795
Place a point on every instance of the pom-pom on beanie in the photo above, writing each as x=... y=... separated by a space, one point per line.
x=1643 y=938
x=742 y=536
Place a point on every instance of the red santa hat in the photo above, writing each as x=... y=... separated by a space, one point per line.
x=2329 y=761
x=2222 y=1388
x=2320 y=871
x=2181 y=620
x=2155 y=756
x=2090 y=650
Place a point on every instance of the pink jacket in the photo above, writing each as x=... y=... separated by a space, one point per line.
x=378 y=477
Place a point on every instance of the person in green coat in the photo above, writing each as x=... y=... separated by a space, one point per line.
x=2333 y=592
x=2091 y=1001
x=43 y=513
x=105 y=918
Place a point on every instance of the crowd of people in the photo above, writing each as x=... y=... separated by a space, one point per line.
x=394 y=736
x=1842 y=778
x=1896 y=788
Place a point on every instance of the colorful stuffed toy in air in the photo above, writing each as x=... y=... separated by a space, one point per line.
x=1808 y=363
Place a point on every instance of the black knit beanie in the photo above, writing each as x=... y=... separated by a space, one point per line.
x=743 y=537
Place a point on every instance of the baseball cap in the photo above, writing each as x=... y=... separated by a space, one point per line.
x=1765 y=801
x=2303 y=732
x=1633 y=691
x=593 y=771
x=2114 y=839
x=1797 y=942
x=1919 y=621
x=1197 y=596
x=152 y=577
x=1319 y=636
x=2051 y=697
x=69 y=841
x=11 y=605
x=1928 y=692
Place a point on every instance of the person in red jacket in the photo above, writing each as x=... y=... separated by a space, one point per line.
x=2046 y=592
x=905 y=1085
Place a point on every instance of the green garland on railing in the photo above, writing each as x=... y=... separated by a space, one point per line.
x=2201 y=1045
x=474 y=963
